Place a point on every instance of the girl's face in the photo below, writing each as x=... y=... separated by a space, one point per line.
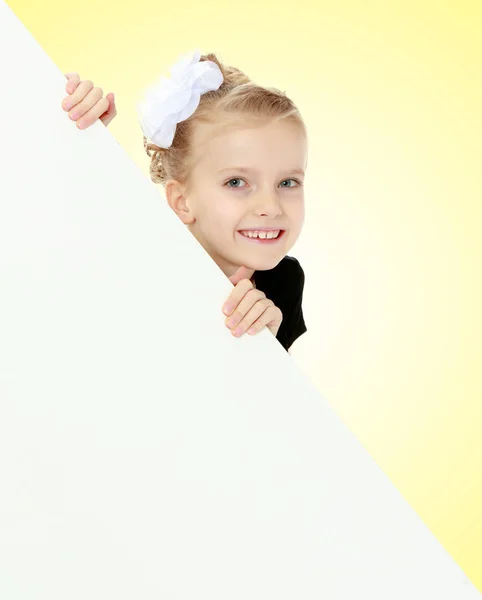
x=245 y=203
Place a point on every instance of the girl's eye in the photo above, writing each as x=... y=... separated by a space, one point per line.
x=287 y=181
x=236 y=182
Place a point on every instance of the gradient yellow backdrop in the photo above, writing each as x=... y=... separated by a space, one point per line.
x=392 y=248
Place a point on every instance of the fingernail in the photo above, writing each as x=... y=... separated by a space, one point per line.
x=251 y=330
x=74 y=116
x=67 y=106
x=231 y=322
x=238 y=331
x=227 y=309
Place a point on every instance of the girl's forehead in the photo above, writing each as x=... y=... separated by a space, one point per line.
x=251 y=143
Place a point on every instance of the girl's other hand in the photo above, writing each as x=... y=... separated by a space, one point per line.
x=86 y=103
x=248 y=309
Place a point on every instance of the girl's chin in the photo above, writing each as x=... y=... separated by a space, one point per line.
x=255 y=261
x=265 y=264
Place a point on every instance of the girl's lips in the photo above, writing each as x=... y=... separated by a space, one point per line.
x=259 y=240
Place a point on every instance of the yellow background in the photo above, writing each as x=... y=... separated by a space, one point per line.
x=392 y=95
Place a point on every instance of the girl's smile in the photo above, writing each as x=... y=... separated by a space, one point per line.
x=262 y=235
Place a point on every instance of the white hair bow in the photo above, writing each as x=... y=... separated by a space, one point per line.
x=171 y=101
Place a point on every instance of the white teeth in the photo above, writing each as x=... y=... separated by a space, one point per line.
x=262 y=234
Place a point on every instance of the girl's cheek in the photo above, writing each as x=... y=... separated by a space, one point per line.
x=226 y=208
x=295 y=211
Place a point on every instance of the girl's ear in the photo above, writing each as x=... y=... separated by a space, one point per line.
x=176 y=198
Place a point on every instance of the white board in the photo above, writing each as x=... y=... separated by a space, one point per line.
x=144 y=452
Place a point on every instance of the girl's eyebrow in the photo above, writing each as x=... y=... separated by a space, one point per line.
x=240 y=169
x=248 y=170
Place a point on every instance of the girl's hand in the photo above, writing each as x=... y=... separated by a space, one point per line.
x=248 y=309
x=85 y=103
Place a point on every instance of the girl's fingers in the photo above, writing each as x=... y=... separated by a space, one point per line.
x=238 y=293
x=85 y=103
x=111 y=111
x=90 y=100
x=271 y=318
x=93 y=114
x=241 y=273
x=251 y=298
x=261 y=314
x=252 y=316
x=81 y=91
x=72 y=83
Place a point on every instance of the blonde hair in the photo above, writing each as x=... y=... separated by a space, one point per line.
x=237 y=94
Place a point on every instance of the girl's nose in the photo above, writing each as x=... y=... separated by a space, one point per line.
x=268 y=205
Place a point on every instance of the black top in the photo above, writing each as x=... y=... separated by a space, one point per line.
x=283 y=285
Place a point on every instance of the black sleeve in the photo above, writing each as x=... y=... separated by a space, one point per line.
x=293 y=324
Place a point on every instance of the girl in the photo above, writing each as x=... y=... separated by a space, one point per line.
x=231 y=156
